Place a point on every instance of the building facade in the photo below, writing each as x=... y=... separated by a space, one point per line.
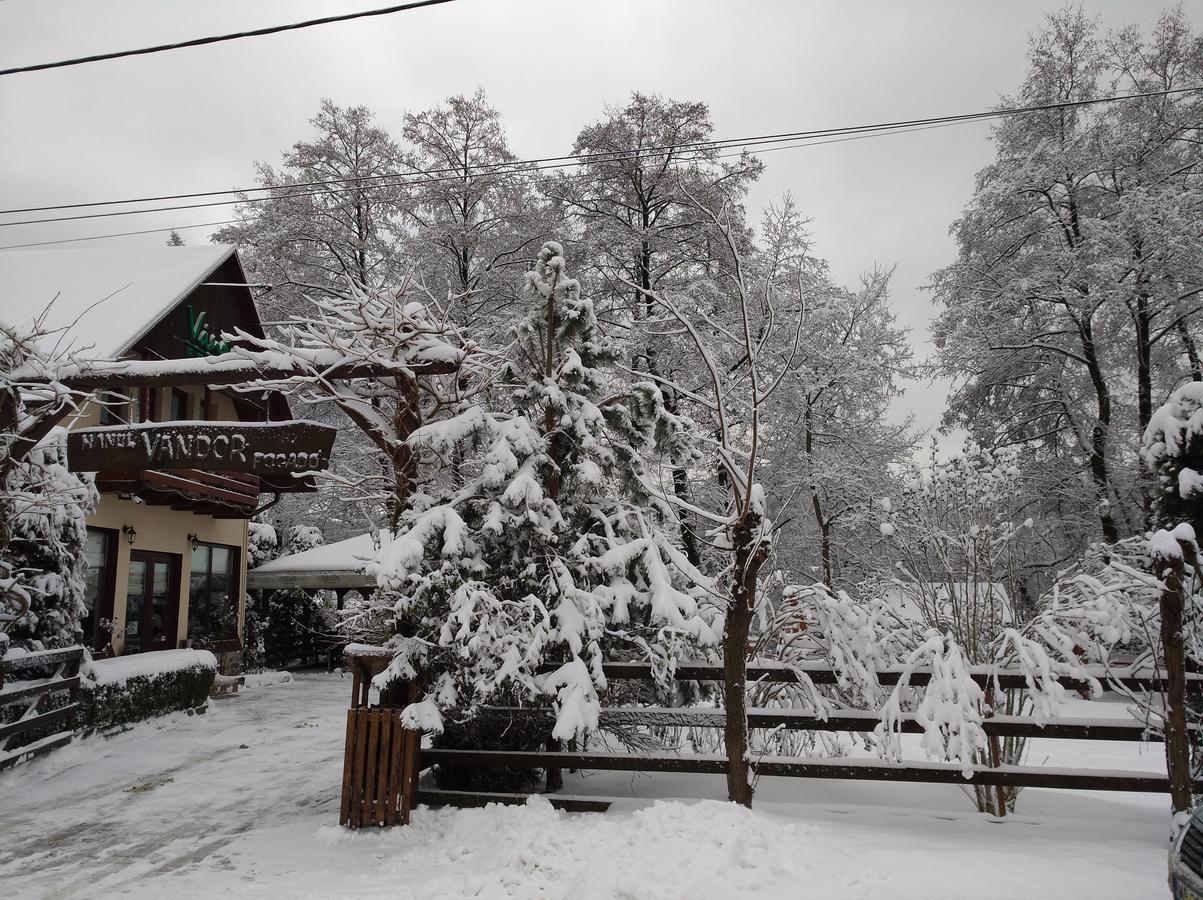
x=166 y=548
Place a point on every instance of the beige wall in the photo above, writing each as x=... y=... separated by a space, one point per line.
x=163 y=529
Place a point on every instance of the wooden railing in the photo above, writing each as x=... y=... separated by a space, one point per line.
x=54 y=725
x=1090 y=729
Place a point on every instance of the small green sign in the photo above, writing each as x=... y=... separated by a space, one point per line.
x=200 y=340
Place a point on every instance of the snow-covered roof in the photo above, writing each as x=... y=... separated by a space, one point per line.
x=341 y=564
x=103 y=299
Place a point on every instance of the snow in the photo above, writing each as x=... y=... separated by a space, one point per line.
x=350 y=555
x=120 y=669
x=243 y=802
x=104 y=300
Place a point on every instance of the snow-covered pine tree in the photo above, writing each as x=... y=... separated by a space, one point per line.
x=1173 y=450
x=548 y=546
x=46 y=505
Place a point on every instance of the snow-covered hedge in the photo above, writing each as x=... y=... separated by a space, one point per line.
x=132 y=688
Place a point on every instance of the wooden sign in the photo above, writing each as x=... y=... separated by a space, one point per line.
x=259 y=448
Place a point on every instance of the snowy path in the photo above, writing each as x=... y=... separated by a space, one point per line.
x=243 y=802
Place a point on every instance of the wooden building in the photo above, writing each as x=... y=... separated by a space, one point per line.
x=166 y=549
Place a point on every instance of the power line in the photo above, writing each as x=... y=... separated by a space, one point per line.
x=216 y=39
x=555 y=162
x=97 y=237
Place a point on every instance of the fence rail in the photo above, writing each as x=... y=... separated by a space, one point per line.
x=821 y=673
x=51 y=728
x=806 y=767
x=1087 y=729
x=1094 y=729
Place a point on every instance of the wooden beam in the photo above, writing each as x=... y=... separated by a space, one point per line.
x=850 y=720
x=229 y=369
x=804 y=767
x=821 y=673
x=471 y=799
x=39 y=721
x=53 y=686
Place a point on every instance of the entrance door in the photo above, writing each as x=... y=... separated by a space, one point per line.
x=152 y=601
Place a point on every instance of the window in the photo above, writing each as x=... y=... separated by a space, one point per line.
x=180 y=406
x=112 y=406
x=213 y=592
x=101 y=556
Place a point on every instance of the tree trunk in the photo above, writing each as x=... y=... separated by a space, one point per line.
x=1177 y=742
x=1191 y=350
x=1100 y=435
x=1144 y=362
x=750 y=554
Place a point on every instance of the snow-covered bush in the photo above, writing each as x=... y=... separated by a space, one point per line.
x=128 y=689
x=278 y=623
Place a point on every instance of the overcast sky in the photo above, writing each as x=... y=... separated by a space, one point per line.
x=196 y=119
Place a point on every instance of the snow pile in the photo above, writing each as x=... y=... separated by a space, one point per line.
x=120 y=669
x=264 y=679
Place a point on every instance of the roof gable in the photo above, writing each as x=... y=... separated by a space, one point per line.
x=100 y=303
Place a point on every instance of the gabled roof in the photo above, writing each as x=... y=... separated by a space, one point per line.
x=101 y=301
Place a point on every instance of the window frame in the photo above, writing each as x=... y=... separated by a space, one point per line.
x=103 y=605
x=234 y=591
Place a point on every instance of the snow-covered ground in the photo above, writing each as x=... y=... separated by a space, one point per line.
x=243 y=802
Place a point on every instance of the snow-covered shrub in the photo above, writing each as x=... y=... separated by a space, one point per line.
x=279 y=623
x=262 y=544
x=128 y=689
x=950 y=607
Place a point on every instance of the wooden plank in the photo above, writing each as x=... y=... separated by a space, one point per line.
x=839 y=768
x=11 y=692
x=383 y=759
x=371 y=765
x=344 y=812
x=821 y=673
x=468 y=799
x=63 y=713
x=195 y=488
x=357 y=763
x=37 y=748
x=41 y=658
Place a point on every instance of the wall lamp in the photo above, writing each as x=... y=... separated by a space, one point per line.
x=130 y=533
x=193 y=541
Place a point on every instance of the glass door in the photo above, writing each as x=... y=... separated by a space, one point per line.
x=152 y=600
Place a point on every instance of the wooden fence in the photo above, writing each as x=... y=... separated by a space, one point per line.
x=49 y=728
x=1091 y=729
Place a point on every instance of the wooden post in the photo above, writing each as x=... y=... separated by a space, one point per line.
x=1000 y=794
x=1177 y=746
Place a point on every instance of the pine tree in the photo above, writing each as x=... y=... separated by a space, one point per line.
x=47 y=505
x=174 y=239
x=1173 y=450
x=549 y=546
